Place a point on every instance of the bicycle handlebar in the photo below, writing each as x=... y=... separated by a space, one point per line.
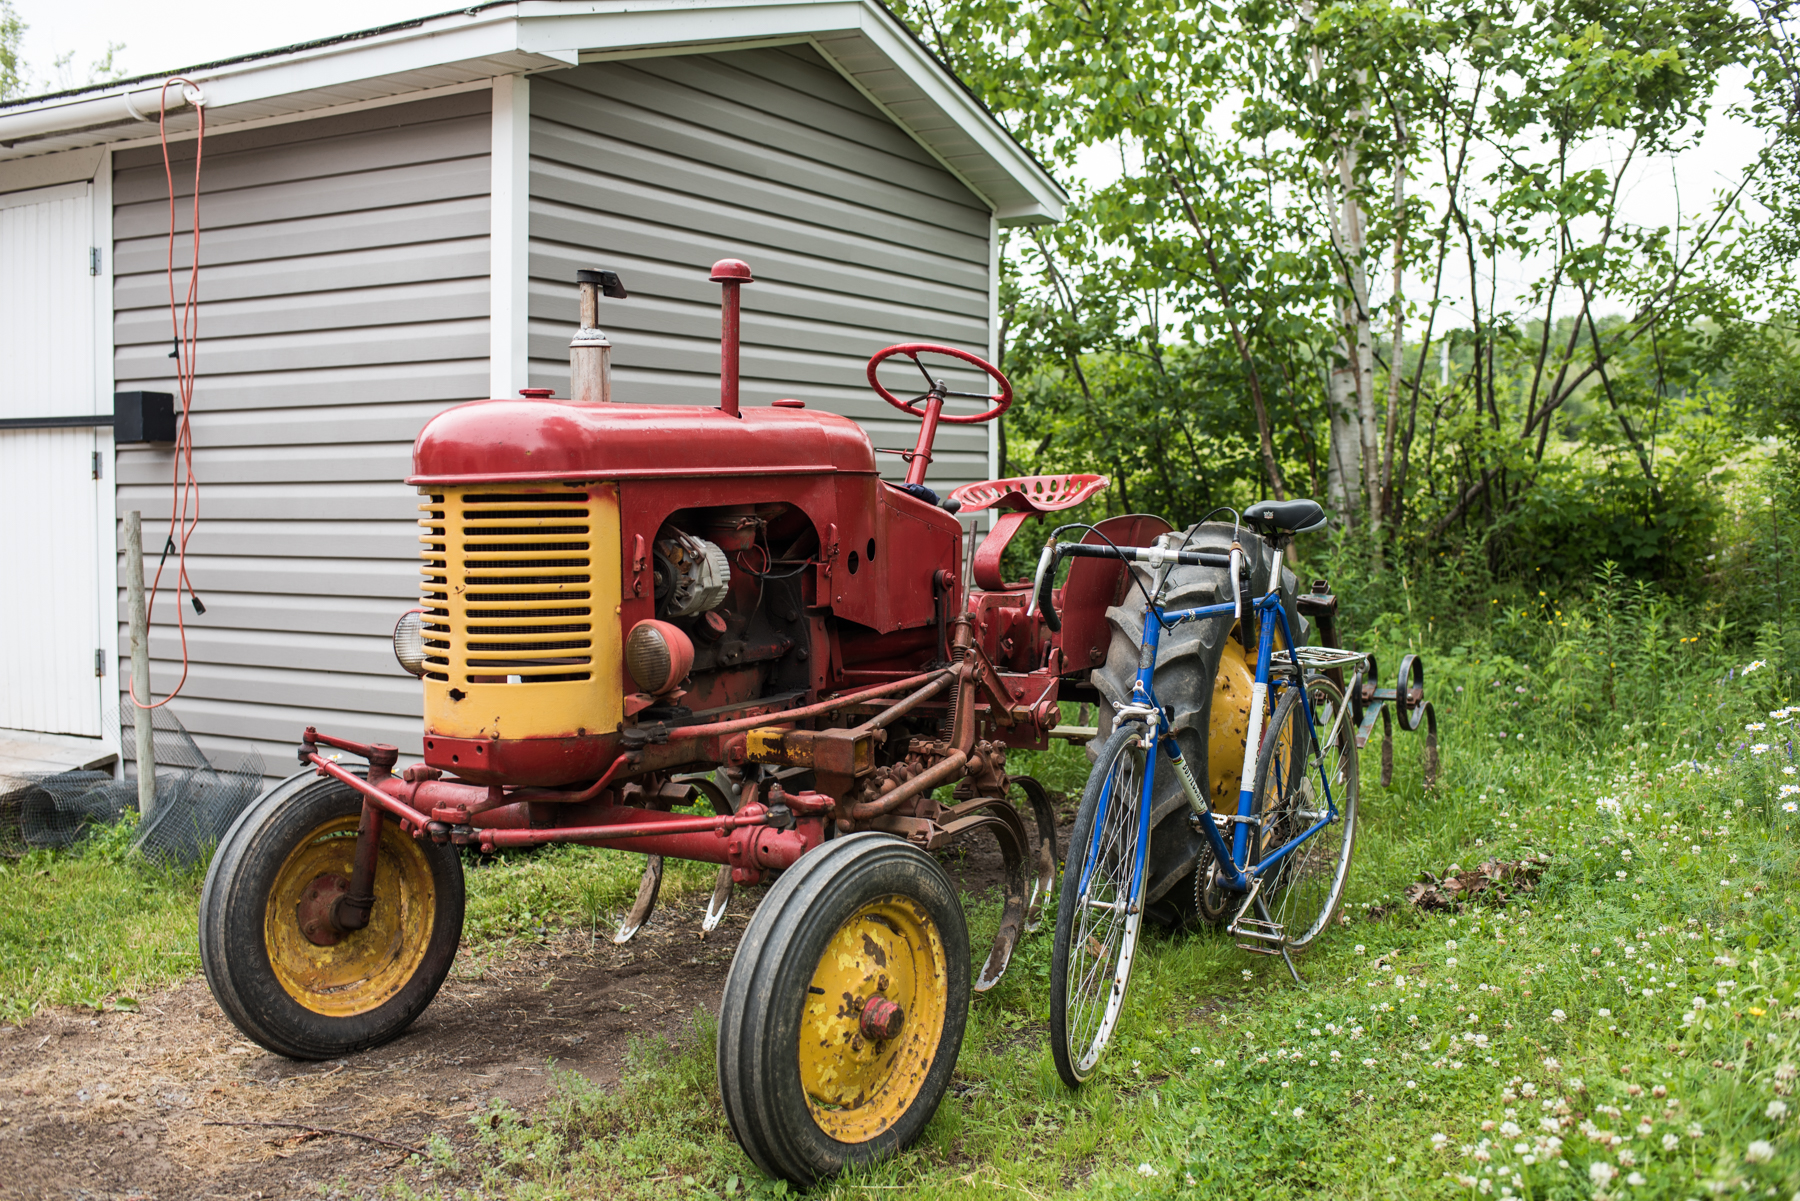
x=1045 y=581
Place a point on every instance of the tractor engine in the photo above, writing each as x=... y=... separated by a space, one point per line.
x=595 y=573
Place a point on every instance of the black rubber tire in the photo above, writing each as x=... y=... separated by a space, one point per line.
x=766 y=993
x=1080 y=839
x=1278 y=826
x=1186 y=663
x=233 y=948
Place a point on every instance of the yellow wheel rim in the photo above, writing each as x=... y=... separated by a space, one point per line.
x=857 y=1087
x=366 y=967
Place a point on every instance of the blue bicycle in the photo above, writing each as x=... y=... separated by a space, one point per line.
x=1279 y=856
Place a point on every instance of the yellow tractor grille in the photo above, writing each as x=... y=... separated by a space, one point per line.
x=506 y=589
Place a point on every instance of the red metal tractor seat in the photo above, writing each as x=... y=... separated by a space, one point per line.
x=1023 y=497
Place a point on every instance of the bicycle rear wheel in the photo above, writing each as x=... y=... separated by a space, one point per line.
x=1097 y=927
x=1297 y=758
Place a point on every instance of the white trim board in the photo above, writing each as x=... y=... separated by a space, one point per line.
x=509 y=237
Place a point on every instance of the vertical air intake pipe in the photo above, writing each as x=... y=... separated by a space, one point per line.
x=732 y=274
x=590 y=354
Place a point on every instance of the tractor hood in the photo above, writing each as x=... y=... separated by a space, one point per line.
x=545 y=439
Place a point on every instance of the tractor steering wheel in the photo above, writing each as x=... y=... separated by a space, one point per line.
x=1000 y=401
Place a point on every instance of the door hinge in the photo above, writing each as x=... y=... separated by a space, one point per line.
x=99 y=662
x=93 y=260
x=96 y=464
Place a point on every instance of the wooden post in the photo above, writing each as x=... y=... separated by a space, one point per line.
x=140 y=664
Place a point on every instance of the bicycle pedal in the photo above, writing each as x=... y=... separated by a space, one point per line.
x=1258 y=930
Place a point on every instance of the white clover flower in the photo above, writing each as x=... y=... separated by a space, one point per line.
x=1412 y=1084
x=1694 y=1130
x=1218 y=1063
x=1620 y=875
x=1450 y=962
x=1605 y=1013
x=1670 y=1142
x=1509 y=1129
x=1145 y=1169
x=1607 y=804
x=1699 y=1003
x=1360 y=948
x=1635 y=1178
x=1776 y=1111
x=1368 y=1063
x=1247 y=974
x=1760 y=1151
x=1299 y=1111
x=1439 y=1140
x=1557 y=1015
x=1449 y=944
x=1601 y=1173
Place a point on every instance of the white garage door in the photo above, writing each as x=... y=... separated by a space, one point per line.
x=50 y=485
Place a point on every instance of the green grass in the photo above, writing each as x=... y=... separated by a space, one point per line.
x=1573 y=1003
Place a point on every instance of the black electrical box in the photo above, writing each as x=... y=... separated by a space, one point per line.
x=143 y=417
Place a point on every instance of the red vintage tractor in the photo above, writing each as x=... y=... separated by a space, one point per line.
x=628 y=611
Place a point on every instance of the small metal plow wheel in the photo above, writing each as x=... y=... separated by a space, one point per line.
x=845 y=1008
x=1043 y=814
x=1003 y=821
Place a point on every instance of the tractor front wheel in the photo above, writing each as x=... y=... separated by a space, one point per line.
x=287 y=980
x=845 y=1008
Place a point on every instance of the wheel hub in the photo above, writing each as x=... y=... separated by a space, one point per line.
x=316 y=906
x=874 y=1016
x=881 y=1019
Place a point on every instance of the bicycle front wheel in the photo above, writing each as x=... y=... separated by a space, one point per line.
x=1097 y=920
x=1306 y=780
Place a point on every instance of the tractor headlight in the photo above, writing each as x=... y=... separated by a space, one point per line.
x=658 y=656
x=409 y=642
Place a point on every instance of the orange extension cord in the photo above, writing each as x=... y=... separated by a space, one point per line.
x=185 y=322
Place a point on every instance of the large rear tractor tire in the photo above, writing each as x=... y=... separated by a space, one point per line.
x=289 y=993
x=1203 y=677
x=844 y=1009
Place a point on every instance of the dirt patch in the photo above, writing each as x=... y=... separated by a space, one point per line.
x=118 y=1105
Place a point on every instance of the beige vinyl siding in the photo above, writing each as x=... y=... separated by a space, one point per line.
x=859 y=239
x=344 y=301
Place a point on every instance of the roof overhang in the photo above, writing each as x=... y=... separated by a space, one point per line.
x=861 y=38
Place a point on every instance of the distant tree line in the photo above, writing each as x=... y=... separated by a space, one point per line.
x=1261 y=303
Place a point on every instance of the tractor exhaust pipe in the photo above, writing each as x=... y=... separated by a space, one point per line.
x=732 y=274
x=590 y=354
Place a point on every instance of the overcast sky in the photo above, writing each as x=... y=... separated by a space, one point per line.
x=158 y=37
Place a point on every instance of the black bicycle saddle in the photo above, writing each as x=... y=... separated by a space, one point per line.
x=1274 y=518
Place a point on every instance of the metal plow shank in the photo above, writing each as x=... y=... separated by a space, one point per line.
x=1043 y=813
x=646 y=899
x=1003 y=821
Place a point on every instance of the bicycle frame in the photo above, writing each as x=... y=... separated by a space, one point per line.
x=1144 y=705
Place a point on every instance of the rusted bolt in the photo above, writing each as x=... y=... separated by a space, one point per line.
x=881 y=1019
